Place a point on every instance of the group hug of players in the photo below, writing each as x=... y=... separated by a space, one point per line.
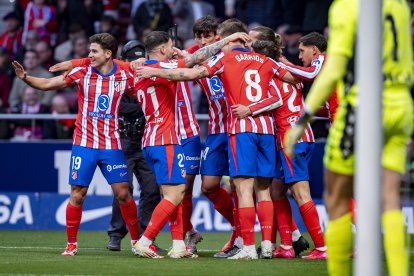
x=254 y=96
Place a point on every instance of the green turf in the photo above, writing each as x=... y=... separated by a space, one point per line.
x=38 y=252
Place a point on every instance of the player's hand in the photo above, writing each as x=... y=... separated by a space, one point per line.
x=291 y=138
x=137 y=63
x=19 y=70
x=65 y=67
x=239 y=36
x=240 y=111
x=178 y=54
x=146 y=72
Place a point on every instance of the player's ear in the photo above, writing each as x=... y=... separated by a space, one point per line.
x=162 y=49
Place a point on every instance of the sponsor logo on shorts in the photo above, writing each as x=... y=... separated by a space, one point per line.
x=109 y=168
x=193 y=167
x=115 y=167
x=192 y=158
x=122 y=174
x=74 y=175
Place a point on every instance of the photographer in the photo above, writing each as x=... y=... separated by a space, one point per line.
x=132 y=122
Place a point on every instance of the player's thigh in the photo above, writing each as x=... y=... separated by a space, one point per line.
x=266 y=156
x=242 y=154
x=339 y=150
x=83 y=163
x=167 y=163
x=214 y=161
x=192 y=151
x=113 y=165
x=398 y=127
x=296 y=169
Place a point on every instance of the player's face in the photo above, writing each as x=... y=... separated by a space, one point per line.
x=306 y=54
x=253 y=37
x=205 y=39
x=97 y=55
x=167 y=50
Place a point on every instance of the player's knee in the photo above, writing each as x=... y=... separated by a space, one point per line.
x=301 y=196
x=76 y=199
x=123 y=196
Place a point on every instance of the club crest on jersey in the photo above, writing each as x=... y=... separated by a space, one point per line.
x=103 y=102
x=183 y=173
x=216 y=84
x=119 y=86
x=74 y=175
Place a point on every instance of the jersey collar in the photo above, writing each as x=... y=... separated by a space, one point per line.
x=110 y=73
x=150 y=61
x=241 y=49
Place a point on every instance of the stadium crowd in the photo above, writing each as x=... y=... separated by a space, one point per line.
x=41 y=33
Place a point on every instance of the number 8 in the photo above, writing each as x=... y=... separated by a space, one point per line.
x=253 y=84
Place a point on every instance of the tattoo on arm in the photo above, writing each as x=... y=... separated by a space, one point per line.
x=204 y=53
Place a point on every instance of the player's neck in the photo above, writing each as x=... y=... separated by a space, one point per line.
x=155 y=56
x=237 y=45
x=106 y=68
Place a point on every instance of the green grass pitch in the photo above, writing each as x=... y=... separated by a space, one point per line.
x=38 y=252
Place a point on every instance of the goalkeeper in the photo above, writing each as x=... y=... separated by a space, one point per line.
x=397 y=123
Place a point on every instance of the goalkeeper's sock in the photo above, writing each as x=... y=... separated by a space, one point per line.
x=311 y=219
x=130 y=216
x=394 y=242
x=73 y=219
x=176 y=223
x=339 y=242
x=159 y=217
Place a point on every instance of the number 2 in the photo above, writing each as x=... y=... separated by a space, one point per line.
x=292 y=97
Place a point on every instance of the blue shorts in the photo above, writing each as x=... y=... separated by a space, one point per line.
x=252 y=154
x=83 y=164
x=192 y=152
x=296 y=169
x=167 y=163
x=215 y=158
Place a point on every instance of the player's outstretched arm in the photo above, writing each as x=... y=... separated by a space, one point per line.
x=173 y=74
x=204 y=53
x=39 y=83
x=321 y=89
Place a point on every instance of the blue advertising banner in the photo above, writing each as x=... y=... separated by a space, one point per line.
x=47 y=211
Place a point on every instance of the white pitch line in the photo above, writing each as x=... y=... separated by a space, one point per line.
x=81 y=248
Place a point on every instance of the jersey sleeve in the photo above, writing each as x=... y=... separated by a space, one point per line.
x=273 y=100
x=307 y=73
x=74 y=75
x=342 y=28
x=79 y=62
x=215 y=65
x=279 y=69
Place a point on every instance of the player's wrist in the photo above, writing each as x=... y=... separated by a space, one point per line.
x=24 y=76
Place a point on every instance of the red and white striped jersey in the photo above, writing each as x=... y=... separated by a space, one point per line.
x=187 y=121
x=309 y=74
x=247 y=80
x=217 y=105
x=287 y=114
x=157 y=97
x=99 y=98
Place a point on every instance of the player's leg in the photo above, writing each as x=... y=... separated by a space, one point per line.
x=243 y=169
x=192 y=151
x=214 y=165
x=113 y=167
x=283 y=215
x=82 y=166
x=117 y=227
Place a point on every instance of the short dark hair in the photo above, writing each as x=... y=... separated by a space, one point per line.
x=155 y=39
x=231 y=26
x=107 y=42
x=266 y=48
x=265 y=33
x=314 y=39
x=205 y=25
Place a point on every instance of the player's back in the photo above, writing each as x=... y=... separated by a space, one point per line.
x=157 y=98
x=289 y=112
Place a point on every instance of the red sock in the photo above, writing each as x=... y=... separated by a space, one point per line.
x=293 y=225
x=236 y=219
x=222 y=203
x=275 y=225
x=73 y=219
x=353 y=209
x=130 y=216
x=265 y=214
x=160 y=215
x=176 y=223
x=247 y=216
x=187 y=210
x=284 y=219
x=311 y=219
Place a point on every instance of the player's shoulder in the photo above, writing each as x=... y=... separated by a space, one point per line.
x=79 y=70
x=216 y=58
